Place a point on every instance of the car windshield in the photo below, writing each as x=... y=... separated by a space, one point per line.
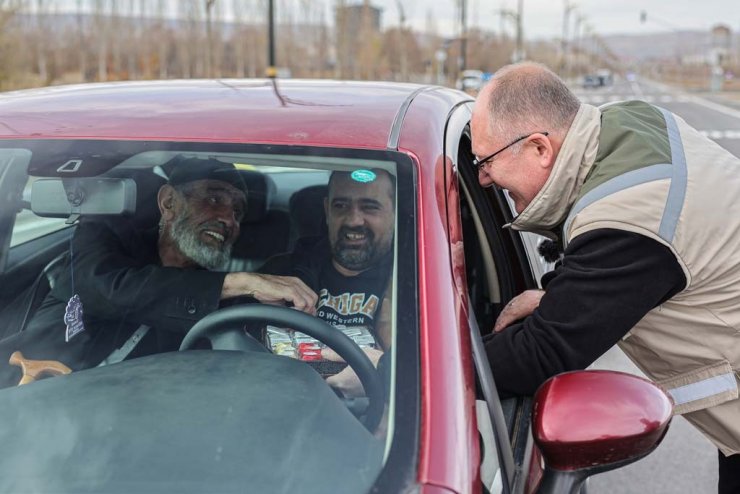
x=114 y=251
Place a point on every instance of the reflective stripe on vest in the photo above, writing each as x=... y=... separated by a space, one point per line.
x=675 y=171
x=702 y=388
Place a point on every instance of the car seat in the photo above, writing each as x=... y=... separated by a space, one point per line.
x=264 y=231
x=307 y=217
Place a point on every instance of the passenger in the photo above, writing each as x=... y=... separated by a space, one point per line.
x=164 y=278
x=643 y=204
x=350 y=269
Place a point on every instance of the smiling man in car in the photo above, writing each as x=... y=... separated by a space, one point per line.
x=350 y=268
x=129 y=292
x=641 y=203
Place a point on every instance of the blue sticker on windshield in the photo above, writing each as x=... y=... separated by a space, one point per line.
x=363 y=176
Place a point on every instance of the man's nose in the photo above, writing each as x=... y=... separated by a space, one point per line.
x=228 y=216
x=355 y=217
x=483 y=178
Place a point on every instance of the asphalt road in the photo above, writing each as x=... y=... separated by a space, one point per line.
x=685 y=462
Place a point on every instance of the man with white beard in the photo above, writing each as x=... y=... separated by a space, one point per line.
x=120 y=279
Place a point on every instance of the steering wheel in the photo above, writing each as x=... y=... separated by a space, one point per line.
x=223 y=329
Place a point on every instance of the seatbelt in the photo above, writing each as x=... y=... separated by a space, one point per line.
x=121 y=353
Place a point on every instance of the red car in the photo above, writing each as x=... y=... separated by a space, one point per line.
x=239 y=419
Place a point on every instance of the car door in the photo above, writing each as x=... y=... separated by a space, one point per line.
x=494 y=266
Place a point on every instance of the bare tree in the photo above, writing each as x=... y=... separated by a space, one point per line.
x=8 y=41
x=81 y=42
x=42 y=13
x=209 y=37
x=101 y=33
x=238 y=37
x=162 y=40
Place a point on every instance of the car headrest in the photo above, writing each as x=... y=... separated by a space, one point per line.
x=260 y=190
x=307 y=211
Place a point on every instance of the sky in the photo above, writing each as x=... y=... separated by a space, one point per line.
x=544 y=18
x=541 y=18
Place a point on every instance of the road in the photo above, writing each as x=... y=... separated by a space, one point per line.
x=685 y=462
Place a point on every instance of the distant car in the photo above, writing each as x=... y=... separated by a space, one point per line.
x=591 y=81
x=471 y=81
x=601 y=78
x=232 y=420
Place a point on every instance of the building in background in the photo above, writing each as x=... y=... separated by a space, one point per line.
x=358 y=37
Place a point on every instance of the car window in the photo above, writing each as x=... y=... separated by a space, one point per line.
x=29 y=226
x=152 y=242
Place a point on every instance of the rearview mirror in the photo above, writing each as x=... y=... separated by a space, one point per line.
x=588 y=422
x=61 y=198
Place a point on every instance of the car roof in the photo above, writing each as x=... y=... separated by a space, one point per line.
x=311 y=112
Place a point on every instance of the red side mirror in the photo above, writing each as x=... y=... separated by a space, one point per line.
x=597 y=419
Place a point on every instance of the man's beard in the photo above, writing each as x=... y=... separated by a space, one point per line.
x=186 y=237
x=352 y=257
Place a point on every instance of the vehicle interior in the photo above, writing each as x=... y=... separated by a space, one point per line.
x=247 y=396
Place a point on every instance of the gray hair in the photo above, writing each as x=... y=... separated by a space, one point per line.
x=528 y=97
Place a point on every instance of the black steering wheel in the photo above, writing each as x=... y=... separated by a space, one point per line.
x=223 y=329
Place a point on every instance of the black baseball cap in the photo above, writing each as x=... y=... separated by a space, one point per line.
x=181 y=170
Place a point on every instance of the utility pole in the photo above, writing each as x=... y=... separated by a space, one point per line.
x=519 y=56
x=567 y=9
x=271 y=68
x=463 y=36
x=402 y=42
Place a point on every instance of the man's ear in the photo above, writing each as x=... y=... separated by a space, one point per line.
x=544 y=149
x=166 y=200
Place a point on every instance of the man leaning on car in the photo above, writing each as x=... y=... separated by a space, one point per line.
x=651 y=261
x=122 y=277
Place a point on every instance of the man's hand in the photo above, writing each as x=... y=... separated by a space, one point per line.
x=518 y=308
x=347 y=381
x=269 y=289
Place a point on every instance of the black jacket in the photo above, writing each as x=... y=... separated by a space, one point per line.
x=115 y=270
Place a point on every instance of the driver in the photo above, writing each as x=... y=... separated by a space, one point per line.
x=350 y=268
x=119 y=279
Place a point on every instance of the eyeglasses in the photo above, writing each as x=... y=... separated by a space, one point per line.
x=478 y=164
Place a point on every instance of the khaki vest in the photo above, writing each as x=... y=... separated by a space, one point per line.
x=639 y=168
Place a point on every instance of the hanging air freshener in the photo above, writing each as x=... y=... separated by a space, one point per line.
x=73 y=318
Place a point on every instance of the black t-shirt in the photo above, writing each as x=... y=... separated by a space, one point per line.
x=350 y=301
x=344 y=301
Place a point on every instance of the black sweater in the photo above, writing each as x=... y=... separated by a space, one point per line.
x=607 y=281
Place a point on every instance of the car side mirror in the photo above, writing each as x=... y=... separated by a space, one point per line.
x=589 y=422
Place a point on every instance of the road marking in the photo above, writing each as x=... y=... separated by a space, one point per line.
x=715 y=106
x=721 y=134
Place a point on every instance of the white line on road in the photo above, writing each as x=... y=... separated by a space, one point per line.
x=715 y=106
x=721 y=134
